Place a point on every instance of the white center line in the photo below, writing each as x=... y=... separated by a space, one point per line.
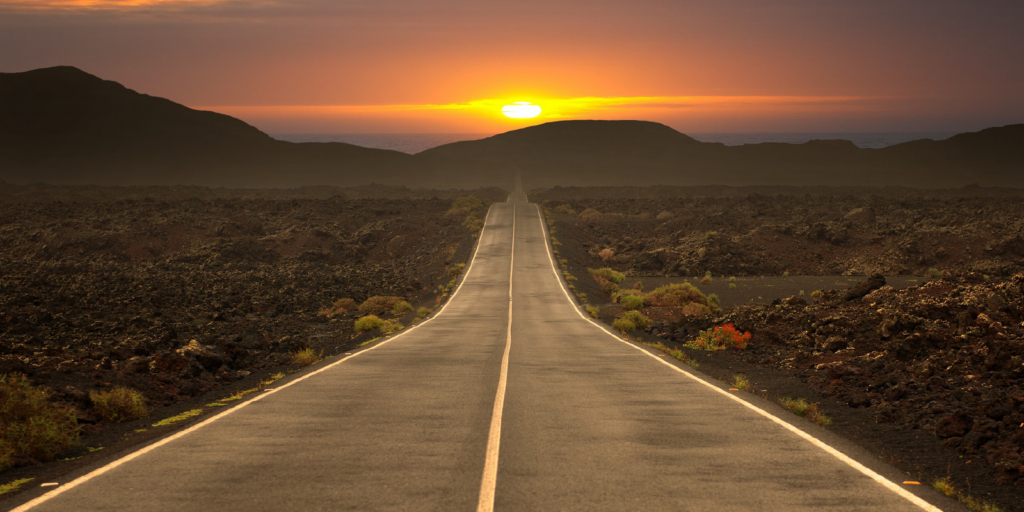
x=490 y=478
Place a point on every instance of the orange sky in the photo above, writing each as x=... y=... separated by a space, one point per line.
x=290 y=66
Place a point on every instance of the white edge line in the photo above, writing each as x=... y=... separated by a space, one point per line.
x=489 y=480
x=97 y=472
x=885 y=482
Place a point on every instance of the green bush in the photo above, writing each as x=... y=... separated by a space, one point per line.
x=391 y=327
x=456 y=270
x=401 y=308
x=473 y=223
x=934 y=273
x=464 y=205
x=679 y=295
x=607 y=274
x=631 y=301
x=593 y=311
x=368 y=323
x=306 y=357
x=630 y=321
x=30 y=425
x=379 y=304
x=423 y=312
x=623 y=325
x=119 y=404
x=565 y=209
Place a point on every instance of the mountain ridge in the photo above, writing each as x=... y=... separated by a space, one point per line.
x=62 y=125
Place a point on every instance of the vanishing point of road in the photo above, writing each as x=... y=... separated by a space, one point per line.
x=508 y=399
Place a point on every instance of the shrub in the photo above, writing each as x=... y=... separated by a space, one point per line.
x=590 y=214
x=473 y=223
x=423 y=312
x=391 y=326
x=607 y=274
x=306 y=357
x=593 y=311
x=719 y=338
x=694 y=309
x=119 y=404
x=623 y=325
x=679 y=295
x=800 y=407
x=631 y=321
x=631 y=302
x=741 y=382
x=401 y=307
x=565 y=209
x=339 y=306
x=456 y=270
x=465 y=204
x=606 y=254
x=379 y=304
x=732 y=286
x=934 y=273
x=368 y=322
x=30 y=425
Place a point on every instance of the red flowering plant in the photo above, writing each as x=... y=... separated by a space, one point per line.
x=719 y=338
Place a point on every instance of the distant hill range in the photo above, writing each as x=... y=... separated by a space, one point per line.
x=64 y=126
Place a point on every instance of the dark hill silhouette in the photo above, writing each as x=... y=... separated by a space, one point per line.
x=620 y=153
x=64 y=126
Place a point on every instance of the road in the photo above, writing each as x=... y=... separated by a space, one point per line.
x=507 y=399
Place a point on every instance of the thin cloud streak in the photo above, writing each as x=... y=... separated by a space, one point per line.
x=565 y=106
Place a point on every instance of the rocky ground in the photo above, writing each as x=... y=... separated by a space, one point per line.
x=751 y=231
x=929 y=375
x=179 y=291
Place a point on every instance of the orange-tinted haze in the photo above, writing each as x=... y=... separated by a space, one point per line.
x=414 y=66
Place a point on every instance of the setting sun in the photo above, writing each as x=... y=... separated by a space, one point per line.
x=521 y=110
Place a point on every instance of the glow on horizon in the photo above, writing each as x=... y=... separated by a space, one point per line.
x=489 y=111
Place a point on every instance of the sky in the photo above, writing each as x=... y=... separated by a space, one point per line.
x=448 y=66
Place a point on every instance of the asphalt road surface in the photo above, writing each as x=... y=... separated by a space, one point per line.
x=507 y=399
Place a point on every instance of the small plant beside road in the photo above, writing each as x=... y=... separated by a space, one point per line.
x=306 y=357
x=631 y=321
x=741 y=382
x=31 y=426
x=720 y=338
x=119 y=404
x=945 y=486
x=368 y=322
x=802 y=408
x=380 y=304
x=674 y=352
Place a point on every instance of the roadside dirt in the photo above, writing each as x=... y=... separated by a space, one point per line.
x=190 y=294
x=929 y=374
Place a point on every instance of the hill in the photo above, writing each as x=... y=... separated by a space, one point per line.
x=619 y=153
x=62 y=125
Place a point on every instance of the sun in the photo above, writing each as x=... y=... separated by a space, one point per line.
x=521 y=110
